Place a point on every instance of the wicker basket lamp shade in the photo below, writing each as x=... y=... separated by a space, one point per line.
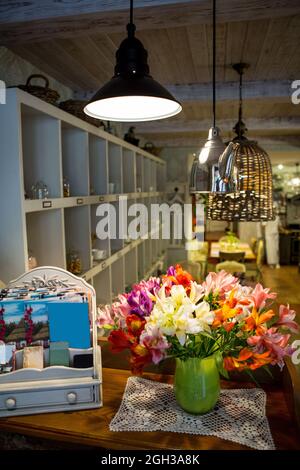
x=253 y=201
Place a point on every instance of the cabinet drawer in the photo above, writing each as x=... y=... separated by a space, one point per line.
x=70 y=396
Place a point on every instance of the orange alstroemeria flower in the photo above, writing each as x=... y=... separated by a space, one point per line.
x=135 y=324
x=260 y=360
x=256 y=320
x=120 y=340
x=226 y=312
x=180 y=277
x=240 y=362
x=228 y=326
x=140 y=357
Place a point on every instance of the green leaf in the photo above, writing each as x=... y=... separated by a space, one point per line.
x=248 y=371
x=220 y=366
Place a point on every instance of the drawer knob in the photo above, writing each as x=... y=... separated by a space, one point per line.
x=11 y=403
x=72 y=397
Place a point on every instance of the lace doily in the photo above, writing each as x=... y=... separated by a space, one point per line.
x=239 y=415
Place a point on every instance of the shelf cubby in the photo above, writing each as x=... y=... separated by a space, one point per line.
x=75 y=159
x=116 y=243
x=41 y=151
x=154 y=250
x=129 y=171
x=153 y=185
x=147 y=254
x=139 y=173
x=78 y=240
x=45 y=237
x=131 y=268
x=98 y=165
x=102 y=285
x=141 y=260
x=160 y=177
x=97 y=243
x=117 y=278
x=115 y=167
x=147 y=174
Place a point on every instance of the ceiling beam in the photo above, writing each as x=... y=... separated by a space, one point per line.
x=12 y=12
x=272 y=125
x=272 y=147
x=22 y=22
x=226 y=91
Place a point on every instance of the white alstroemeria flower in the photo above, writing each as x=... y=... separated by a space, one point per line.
x=178 y=294
x=204 y=315
x=197 y=292
x=162 y=316
x=186 y=323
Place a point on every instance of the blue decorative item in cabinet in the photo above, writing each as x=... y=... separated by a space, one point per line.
x=69 y=322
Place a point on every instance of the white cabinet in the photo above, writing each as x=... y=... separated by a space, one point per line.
x=41 y=142
x=54 y=388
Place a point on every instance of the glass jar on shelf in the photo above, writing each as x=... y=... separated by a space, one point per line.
x=74 y=263
x=39 y=190
x=66 y=187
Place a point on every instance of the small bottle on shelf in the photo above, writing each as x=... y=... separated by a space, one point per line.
x=74 y=264
x=66 y=186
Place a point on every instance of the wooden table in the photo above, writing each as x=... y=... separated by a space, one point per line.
x=92 y=427
x=242 y=247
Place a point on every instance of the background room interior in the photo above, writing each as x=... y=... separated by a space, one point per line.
x=232 y=65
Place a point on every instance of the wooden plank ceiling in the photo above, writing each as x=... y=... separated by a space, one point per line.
x=77 y=47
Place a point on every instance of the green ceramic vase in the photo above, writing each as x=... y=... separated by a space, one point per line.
x=197 y=384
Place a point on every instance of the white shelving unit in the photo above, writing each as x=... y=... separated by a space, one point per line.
x=41 y=142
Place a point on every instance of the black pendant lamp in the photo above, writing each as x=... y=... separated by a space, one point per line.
x=253 y=198
x=132 y=95
x=204 y=176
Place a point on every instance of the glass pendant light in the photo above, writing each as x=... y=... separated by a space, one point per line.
x=204 y=176
x=132 y=95
x=253 y=198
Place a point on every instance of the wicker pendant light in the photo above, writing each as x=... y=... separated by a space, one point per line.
x=204 y=176
x=253 y=199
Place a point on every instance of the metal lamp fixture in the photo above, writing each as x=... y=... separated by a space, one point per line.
x=253 y=198
x=132 y=95
x=204 y=173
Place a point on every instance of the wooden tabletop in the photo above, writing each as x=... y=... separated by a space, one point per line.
x=245 y=247
x=91 y=427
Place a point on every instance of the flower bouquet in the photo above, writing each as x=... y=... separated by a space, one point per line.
x=216 y=326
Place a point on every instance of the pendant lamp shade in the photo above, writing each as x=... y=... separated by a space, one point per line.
x=132 y=95
x=253 y=201
x=249 y=165
x=204 y=173
x=204 y=177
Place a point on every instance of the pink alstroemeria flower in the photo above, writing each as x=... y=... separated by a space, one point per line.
x=221 y=282
x=274 y=342
x=105 y=316
x=123 y=305
x=152 y=339
x=260 y=295
x=286 y=317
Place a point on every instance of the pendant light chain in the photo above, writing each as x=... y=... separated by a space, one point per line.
x=214 y=63
x=241 y=101
x=131 y=12
x=131 y=25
